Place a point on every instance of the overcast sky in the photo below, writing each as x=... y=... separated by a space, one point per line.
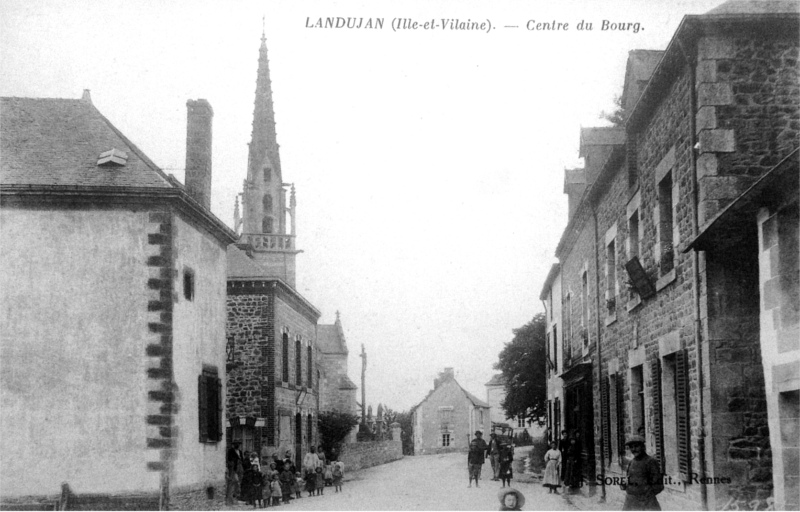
x=428 y=163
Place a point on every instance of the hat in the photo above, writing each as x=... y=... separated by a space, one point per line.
x=501 y=495
x=478 y=432
x=634 y=440
x=236 y=443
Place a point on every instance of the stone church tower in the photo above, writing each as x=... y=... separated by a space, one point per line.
x=264 y=222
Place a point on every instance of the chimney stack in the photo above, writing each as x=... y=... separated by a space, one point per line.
x=198 y=151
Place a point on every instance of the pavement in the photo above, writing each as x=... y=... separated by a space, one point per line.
x=427 y=482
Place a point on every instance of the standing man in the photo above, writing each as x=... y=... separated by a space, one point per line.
x=476 y=457
x=644 y=479
x=494 y=455
x=233 y=474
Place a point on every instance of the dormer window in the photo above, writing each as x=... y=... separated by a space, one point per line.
x=112 y=158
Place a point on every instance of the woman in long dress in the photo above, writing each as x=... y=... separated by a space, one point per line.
x=552 y=476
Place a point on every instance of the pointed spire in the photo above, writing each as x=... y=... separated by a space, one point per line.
x=237 y=216
x=264 y=140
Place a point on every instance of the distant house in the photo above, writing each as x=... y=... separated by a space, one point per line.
x=447 y=418
x=495 y=394
x=112 y=313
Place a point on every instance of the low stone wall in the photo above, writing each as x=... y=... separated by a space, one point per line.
x=370 y=453
x=210 y=496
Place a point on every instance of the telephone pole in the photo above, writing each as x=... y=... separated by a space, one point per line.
x=363 y=356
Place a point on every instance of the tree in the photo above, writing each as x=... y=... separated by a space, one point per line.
x=617 y=116
x=523 y=364
x=333 y=428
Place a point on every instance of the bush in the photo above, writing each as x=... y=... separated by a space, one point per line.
x=333 y=429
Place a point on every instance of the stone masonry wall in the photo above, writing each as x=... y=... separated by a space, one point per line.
x=748 y=115
x=250 y=378
x=370 y=453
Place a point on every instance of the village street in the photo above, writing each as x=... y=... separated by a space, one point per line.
x=428 y=482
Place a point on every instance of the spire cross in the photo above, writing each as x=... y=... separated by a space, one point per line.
x=263 y=29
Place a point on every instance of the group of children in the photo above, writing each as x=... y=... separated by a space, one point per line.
x=271 y=486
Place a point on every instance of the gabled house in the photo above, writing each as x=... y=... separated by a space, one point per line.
x=447 y=418
x=112 y=314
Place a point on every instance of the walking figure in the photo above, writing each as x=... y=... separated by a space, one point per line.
x=476 y=457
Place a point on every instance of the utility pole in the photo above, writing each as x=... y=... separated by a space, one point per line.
x=363 y=356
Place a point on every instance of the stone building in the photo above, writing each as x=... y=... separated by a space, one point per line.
x=551 y=297
x=762 y=224
x=495 y=394
x=113 y=314
x=662 y=340
x=337 y=391
x=273 y=360
x=447 y=418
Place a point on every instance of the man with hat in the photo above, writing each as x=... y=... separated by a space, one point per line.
x=476 y=457
x=643 y=479
x=494 y=455
x=234 y=472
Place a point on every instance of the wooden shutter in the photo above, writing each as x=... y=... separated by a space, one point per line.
x=215 y=428
x=682 y=414
x=605 y=419
x=557 y=408
x=658 y=417
x=620 y=398
x=202 y=402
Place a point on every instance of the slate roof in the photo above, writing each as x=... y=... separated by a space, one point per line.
x=756 y=7
x=601 y=136
x=330 y=339
x=472 y=398
x=641 y=63
x=241 y=266
x=346 y=383
x=496 y=380
x=57 y=142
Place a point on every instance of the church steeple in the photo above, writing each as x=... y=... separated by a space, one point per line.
x=264 y=201
x=264 y=194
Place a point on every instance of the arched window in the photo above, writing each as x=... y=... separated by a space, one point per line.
x=266 y=224
x=267 y=201
x=267 y=174
x=285 y=358
x=298 y=364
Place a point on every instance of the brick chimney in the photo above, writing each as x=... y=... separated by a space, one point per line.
x=198 y=151
x=445 y=375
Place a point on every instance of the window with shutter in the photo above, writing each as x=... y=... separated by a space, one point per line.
x=298 y=363
x=202 y=401
x=682 y=407
x=209 y=400
x=285 y=358
x=557 y=407
x=620 y=399
x=655 y=378
x=310 y=367
x=605 y=424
